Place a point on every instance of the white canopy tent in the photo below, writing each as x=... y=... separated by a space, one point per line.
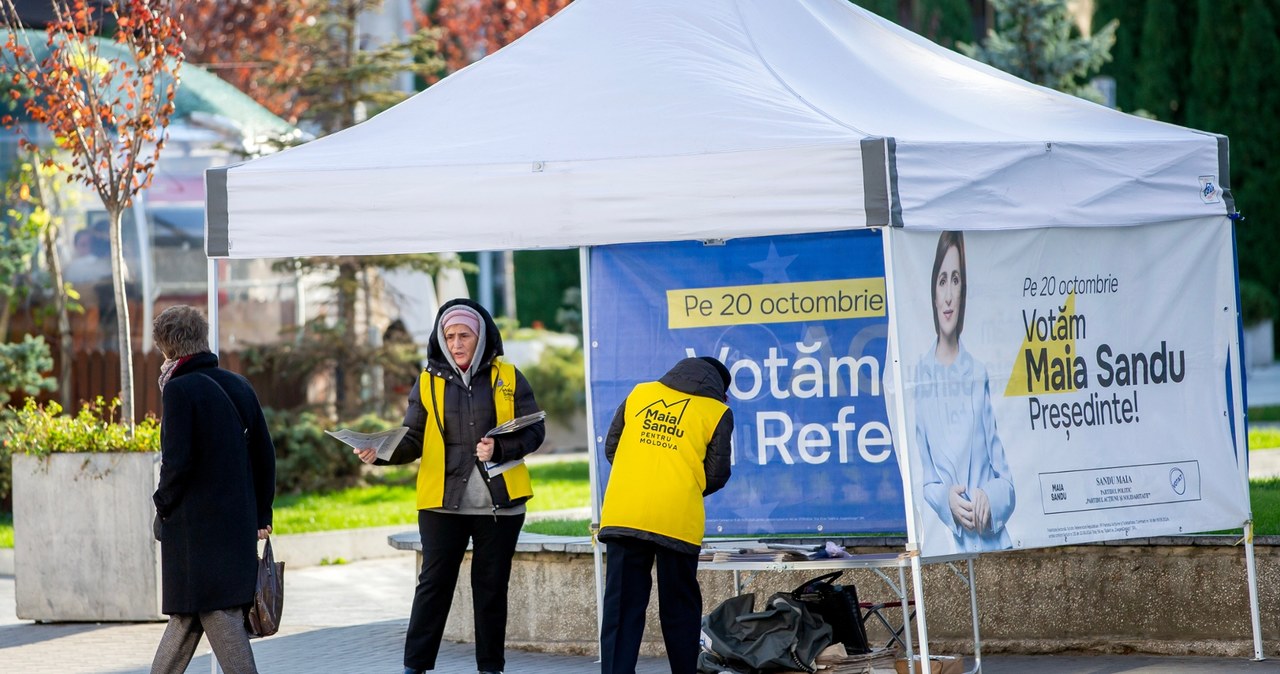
x=669 y=120
x=621 y=121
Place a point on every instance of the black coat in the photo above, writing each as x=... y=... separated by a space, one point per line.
x=217 y=483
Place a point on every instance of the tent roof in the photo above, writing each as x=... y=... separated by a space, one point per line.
x=619 y=121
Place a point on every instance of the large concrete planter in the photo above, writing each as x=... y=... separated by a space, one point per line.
x=83 y=549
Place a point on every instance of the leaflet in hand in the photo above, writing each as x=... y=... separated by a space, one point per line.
x=385 y=442
x=499 y=468
x=517 y=423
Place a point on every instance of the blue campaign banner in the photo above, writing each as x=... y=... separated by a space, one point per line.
x=802 y=323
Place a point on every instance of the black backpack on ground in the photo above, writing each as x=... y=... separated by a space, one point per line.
x=838 y=607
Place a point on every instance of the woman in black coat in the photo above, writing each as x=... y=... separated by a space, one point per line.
x=213 y=504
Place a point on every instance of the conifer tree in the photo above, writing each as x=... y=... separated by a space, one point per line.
x=1037 y=41
x=884 y=8
x=946 y=22
x=1249 y=118
x=1213 y=47
x=1129 y=16
x=347 y=79
x=1164 y=60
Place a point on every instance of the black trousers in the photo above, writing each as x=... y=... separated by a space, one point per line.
x=444 y=541
x=626 y=596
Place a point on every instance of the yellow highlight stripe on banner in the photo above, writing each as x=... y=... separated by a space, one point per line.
x=776 y=303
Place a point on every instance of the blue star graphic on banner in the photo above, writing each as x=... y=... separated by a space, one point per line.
x=773 y=267
x=756 y=512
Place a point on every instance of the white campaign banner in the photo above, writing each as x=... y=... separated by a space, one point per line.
x=1064 y=386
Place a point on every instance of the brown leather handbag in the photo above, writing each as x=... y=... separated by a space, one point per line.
x=268 y=597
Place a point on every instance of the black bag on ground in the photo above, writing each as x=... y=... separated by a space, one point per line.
x=263 y=617
x=838 y=607
x=783 y=636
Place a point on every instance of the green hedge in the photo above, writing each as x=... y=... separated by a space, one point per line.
x=1256 y=302
x=307 y=460
x=41 y=429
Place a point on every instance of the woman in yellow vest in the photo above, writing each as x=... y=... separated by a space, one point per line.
x=465 y=493
x=670 y=444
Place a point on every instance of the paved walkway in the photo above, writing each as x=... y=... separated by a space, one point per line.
x=351 y=619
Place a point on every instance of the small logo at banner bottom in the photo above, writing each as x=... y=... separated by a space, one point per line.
x=1178 y=480
x=1209 y=191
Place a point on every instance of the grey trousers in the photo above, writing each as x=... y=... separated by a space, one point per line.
x=226 y=633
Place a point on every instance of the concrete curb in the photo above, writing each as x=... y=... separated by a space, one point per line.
x=335 y=547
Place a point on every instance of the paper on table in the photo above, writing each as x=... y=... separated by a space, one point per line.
x=385 y=442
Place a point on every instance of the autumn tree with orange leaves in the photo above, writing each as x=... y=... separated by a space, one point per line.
x=106 y=103
x=473 y=29
x=250 y=43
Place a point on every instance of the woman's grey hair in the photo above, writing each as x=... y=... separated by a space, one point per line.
x=181 y=331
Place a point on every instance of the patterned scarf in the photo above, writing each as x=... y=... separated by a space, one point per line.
x=167 y=368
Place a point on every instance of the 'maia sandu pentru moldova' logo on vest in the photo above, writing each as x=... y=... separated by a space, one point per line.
x=661 y=423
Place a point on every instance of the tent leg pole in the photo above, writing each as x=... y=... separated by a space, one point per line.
x=593 y=451
x=213 y=305
x=1252 y=567
x=906 y=616
x=599 y=564
x=922 y=623
x=973 y=608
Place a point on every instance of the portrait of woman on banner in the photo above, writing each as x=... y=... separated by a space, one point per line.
x=965 y=474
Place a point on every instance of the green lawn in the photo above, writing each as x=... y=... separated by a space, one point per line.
x=1264 y=438
x=6 y=530
x=557 y=486
x=559 y=527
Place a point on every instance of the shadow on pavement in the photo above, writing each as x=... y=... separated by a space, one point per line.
x=25 y=634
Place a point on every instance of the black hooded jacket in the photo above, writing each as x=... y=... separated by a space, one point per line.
x=468 y=413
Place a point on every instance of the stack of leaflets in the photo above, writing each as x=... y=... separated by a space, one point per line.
x=836 y=660
x=385 y=442
x=768 y=553
x=517 y=423
x=494 y=468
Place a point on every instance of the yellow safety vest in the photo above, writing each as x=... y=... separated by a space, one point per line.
x=431 y=475
x=657 y=478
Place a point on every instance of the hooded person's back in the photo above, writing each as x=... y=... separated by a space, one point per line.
x=670 y=444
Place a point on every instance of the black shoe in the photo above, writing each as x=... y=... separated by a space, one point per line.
x=410 y=670
x=487 y=671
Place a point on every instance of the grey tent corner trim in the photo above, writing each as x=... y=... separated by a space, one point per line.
x=217 y=235
x=880 y=182
x=1224 y=174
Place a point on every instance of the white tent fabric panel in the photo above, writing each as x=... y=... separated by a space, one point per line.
x=558 y=204
x=621 y=121
x=974 y=185
x=884 y=80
